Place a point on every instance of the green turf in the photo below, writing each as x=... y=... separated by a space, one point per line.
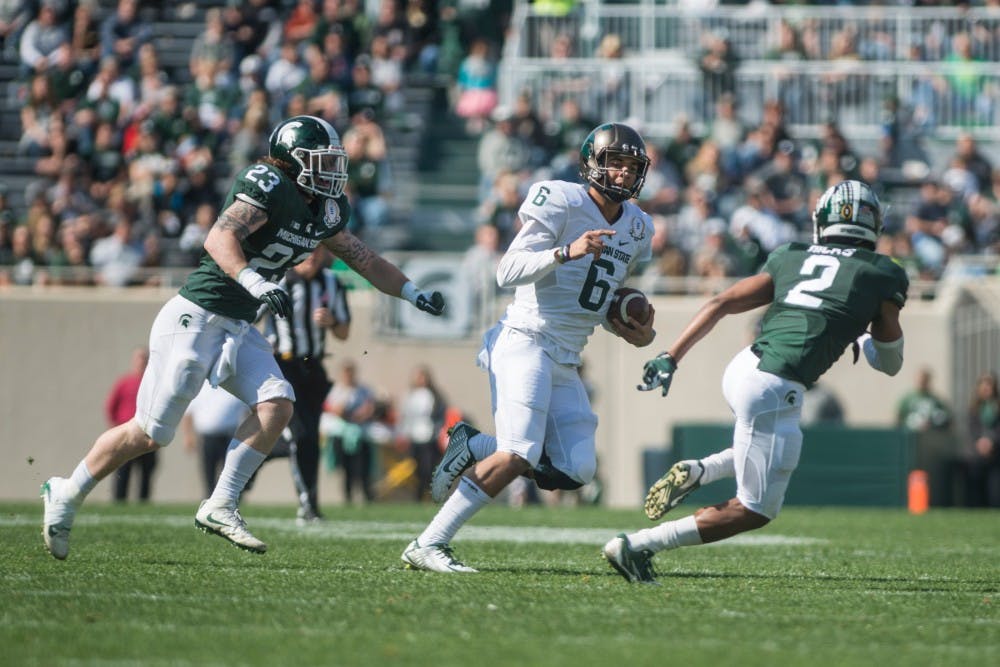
x=817 y=587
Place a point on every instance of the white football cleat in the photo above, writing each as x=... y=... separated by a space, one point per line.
x=668 y=491
x=227 y=523
x=456 y=459
x=433 y=558
x=635 y=566
x=58 y=496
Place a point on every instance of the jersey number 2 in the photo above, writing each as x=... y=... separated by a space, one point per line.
x=802 y=293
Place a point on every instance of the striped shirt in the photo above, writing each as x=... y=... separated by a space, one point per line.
x=298 y=336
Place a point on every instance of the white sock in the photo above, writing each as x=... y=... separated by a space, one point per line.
x=459 y=508
x=242 y=462
x=718 y=466
x=84 y=481
x=668 y=535
x=482 y=445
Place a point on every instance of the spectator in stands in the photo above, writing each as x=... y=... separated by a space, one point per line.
x=611 y=90
x=926 y=226
x=475 y=87
x=682 y=146
x=370 y=180
x=85 y=36
x=688 y=229
x=793 y=89
x=387 y=69
x=37 y=112
x=337 y=18
x=351 y=406
x=528 y=126
x=112 y=94
x=500 y=150
x=14 y=16
x=967 y=101
x=300 y=23
x=718 y=63
x=726 y=128
x=756 y=219
x=499 y=209
x=981 y=463
x=921 y=409
x=213 y=43
x=119 y=408
x=664 y=184
x=421 y=417
x=714 y=258
x=821 y=407
x=787 y=186
x=323 y=96
x=117 y=257
x=364 y=94
x=123 y=32
x=705 y=170
x=40 y=39
x=338 y=61
x=255 y=28
x=479 y=266
x=977 y=163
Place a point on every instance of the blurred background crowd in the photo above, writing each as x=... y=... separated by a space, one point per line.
x=123 y=121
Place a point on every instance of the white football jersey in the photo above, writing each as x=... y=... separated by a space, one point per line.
x=563 y=306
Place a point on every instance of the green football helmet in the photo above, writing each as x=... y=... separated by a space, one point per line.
x=312 y=147
x=607 y=140
x=849 y=212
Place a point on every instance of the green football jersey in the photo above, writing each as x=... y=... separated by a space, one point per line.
x=825 y=296
x=293 y=230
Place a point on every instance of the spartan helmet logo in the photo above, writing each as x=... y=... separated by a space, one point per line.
x=185 y=320
x=289 y=133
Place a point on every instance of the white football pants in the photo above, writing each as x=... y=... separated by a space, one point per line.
x=539 y=404
x=767 y=439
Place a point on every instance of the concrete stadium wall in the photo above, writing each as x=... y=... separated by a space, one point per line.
x=62 y=349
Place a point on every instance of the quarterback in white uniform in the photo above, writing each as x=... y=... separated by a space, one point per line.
x=578 y=243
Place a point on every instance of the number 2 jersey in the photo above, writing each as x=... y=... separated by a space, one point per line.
x=825 y=296
x=293 y=229
x=563 y=305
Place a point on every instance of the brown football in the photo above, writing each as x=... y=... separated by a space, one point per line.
x=629 y=302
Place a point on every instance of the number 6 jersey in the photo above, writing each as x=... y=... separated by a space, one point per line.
x=563 y=305
x=293 y=229
x=825 y=296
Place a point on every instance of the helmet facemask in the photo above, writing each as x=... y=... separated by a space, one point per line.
x=602 y=180
x=323 y=170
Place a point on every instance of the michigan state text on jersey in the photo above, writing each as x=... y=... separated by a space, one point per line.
x=293 y=230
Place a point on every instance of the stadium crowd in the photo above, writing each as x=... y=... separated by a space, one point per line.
x=129 y=159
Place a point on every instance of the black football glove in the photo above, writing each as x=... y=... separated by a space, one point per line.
x=278 y=302
x=658 y=372
x=430 y=302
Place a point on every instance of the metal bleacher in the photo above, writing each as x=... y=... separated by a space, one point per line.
x=661 y=78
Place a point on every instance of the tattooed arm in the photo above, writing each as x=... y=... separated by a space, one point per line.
x=381 y=273
x=233 y=225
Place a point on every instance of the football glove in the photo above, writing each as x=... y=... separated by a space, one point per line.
x=268 y=293
x=429 y=302
x=658 y=372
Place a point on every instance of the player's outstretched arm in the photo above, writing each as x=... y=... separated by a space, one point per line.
x=380 y=272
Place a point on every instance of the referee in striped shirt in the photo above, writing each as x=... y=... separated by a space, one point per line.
x=319 y=304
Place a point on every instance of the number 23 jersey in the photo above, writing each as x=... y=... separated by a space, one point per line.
x=825 y=296
x=565 y=304
x=293 y=229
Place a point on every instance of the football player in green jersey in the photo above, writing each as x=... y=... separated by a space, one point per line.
x=823 y=298
x=278 y=210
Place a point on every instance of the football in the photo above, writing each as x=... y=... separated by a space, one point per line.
x=628 y=304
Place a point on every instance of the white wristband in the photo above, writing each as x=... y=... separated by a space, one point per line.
x=251 y=281
x=410 y=292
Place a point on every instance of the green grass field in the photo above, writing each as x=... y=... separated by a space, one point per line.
x=818 y=586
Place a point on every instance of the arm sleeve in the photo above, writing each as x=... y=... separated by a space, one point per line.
x=886 y=357
x=530 y=257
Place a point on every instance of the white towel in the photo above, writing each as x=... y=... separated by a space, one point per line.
x=225 y=365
